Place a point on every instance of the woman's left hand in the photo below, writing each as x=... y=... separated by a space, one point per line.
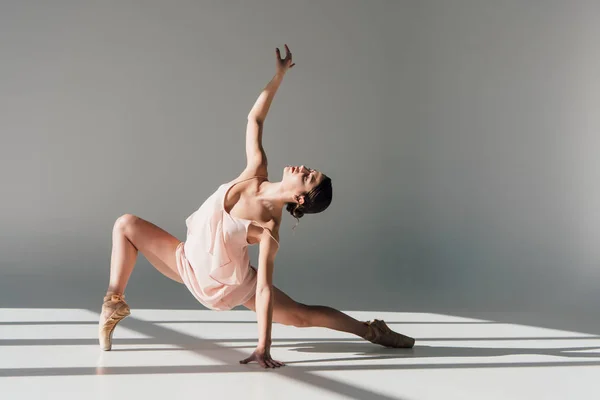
x=283 y=64
x=263 y=357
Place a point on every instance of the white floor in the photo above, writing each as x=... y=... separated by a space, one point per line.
x=168 y=354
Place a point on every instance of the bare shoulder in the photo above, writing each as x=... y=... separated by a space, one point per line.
x=269 y=241
x=249 y=186
x=252 y=171
x=273 y=228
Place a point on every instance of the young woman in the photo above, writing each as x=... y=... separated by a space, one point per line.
x=213 y=262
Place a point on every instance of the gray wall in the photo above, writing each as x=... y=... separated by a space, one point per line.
x=460 y=136
x=501 y=143
x=112 y=107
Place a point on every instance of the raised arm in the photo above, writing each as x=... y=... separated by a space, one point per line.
x=261 y=107
x=263 y=103
x=254 y=149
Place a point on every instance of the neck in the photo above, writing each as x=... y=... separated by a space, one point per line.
x=274 y=195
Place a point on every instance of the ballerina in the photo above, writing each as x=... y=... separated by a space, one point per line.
x=213 y=262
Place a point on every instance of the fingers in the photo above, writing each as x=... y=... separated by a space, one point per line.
x=246 y=360
x=274 y=363
x=264 y=363
x=288 y=53
x=278 y=363
x=288 y=57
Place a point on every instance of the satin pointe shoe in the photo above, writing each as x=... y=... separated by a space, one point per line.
x=114 y=309
x=380 y=333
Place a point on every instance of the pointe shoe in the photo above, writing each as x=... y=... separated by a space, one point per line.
x=114 y=309
x=380 y=333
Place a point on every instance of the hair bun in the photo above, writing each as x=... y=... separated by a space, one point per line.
x=298 y=213
x=295 y=210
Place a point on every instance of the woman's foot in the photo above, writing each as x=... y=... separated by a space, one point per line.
x=114 y=309
x=379 y=333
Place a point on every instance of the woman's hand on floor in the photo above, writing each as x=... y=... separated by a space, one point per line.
x=263 y=357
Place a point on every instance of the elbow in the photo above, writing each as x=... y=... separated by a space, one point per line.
x=255 y=117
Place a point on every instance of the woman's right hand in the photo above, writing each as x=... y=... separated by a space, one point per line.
x=286 y=63
x=263 y=357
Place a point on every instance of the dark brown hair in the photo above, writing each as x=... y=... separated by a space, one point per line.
x=315 y=201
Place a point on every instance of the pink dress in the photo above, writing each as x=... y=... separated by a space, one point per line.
x=213 y=262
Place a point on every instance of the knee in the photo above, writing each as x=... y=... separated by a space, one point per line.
x=124 y=221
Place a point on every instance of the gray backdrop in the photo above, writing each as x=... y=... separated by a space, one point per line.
x=461 y=138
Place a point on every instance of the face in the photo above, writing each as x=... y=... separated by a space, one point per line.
x=301 y=180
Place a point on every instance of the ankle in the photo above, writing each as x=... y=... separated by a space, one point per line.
x=110 y=292
x=114 y=296
x=368 y=331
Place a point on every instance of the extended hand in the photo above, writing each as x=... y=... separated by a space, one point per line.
x=286 y=63
x=263 y=357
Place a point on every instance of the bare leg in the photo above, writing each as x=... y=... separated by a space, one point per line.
x=328 y=317
x=122 y=259
x=287 y=311
x=130 y=234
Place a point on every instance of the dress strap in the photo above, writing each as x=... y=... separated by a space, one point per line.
x=268 y=231
x=247 y=179
x=230 y=185
x=250 y=221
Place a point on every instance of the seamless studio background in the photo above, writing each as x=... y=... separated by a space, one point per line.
x=461 y=138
